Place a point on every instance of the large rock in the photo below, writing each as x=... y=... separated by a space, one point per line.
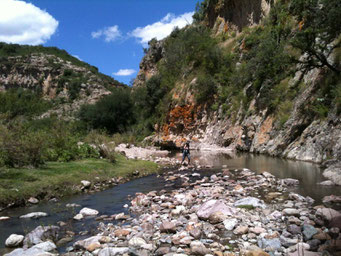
x=14 y=240
x=328 y=213
x=34 y=215
x=213 y=206
x=290 y=182
x=250 y=202
x=42 y=249
x=41 y=234
x=88 y=212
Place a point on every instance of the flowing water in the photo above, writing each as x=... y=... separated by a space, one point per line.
x=111 y=201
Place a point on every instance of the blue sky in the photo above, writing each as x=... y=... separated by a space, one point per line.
x=109 y=34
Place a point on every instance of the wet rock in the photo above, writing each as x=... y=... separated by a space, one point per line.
x=212 y=206
x=41 y=234
x=290 y=182
x=14 y=240
x=33 y=200
x=168 y=227
x=322 y=236
x=309 y=231
x=2 y=218
x=78 y=217
x=230 y=224
x=34 y=215
x=88 y=212
x=250 y=202
x=327 y=183
x=331 y=200
x=73 y=205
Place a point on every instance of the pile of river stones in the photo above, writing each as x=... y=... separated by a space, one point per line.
x=234 y=212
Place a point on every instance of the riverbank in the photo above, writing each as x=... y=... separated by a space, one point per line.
x=232 y=212
x=56 y=180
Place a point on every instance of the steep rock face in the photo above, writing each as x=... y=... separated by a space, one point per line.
x=235 y=14
x=148 y=65
x=300 y=138
x=53 y=77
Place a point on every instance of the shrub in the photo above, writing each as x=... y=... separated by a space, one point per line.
x=20 y=147
x=205 y=89
x=114 y=112
x=20 y=102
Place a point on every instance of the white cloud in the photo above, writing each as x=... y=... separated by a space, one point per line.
x=24 y=23
x=124 y=72
x=162 y=28
x=109 y=33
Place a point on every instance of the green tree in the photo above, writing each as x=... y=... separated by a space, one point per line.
x=318 y=31
x=113 y=112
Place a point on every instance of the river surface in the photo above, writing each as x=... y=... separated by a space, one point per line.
x=112 y=200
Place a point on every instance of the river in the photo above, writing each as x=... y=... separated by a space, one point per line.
x=111 y=201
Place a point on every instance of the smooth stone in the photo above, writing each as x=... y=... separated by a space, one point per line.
x=326 y=183
x=14 y=240
x=86 y=184
x=34 y=215
x=73 y=205
x=291 y=212
x=4 y=218
x=88 y=212
x=257 y=230
x=78 y=217
x=33 y=200
x=290 y=182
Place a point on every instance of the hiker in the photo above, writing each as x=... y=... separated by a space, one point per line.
x=186 y=153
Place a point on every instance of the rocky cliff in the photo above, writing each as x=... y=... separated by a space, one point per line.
x=302 y=135
x=65 y=80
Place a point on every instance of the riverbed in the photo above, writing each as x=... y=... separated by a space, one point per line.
x=111 y=201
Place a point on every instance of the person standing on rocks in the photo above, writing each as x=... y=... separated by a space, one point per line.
x=186 y=153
